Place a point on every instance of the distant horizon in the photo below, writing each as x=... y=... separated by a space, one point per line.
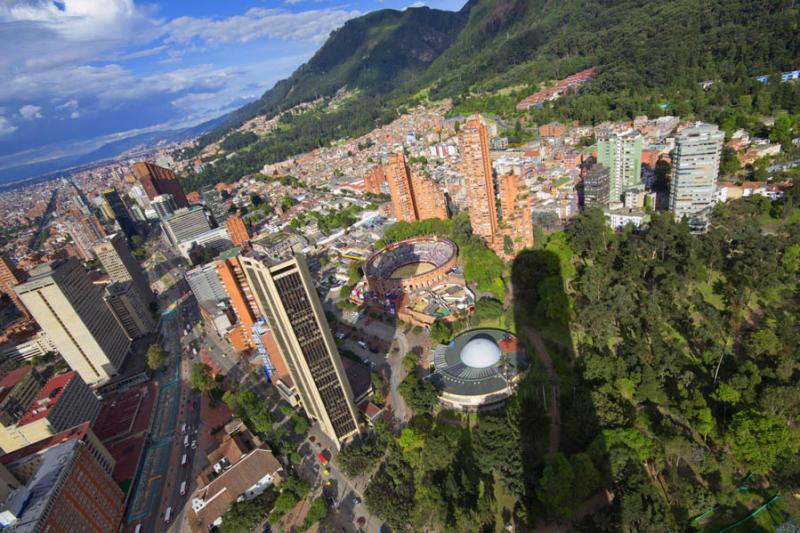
x=80 y=76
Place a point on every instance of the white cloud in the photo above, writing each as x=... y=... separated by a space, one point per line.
x=6 y=126
x=30 y=112
x=314 y=25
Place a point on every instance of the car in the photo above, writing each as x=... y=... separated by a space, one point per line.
x=327 y=471
x=194 y=444
x=356 y=500
x=322 y=458
x=327 y=482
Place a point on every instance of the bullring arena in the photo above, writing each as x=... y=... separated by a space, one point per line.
x=410 y=265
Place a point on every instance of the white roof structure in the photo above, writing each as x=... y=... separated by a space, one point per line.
x=480 y=352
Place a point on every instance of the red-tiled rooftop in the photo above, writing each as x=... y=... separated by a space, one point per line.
x=74 y=433
x=47 y=398
x=10 y=380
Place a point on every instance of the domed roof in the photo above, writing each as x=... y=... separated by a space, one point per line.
x=480 y=352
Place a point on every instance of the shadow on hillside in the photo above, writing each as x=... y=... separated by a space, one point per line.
x=569 y=480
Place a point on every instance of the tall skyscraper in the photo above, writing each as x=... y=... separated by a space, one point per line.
x=695 y=171
x=288 y=300
x=70 y=309
x=474 y=147
x=158 y=180
x=128 y=308
x=10 y=277
x=621 y=154
x=237 y=230
x=414 y=197
x=212 y=199
x=596 y=185
x=399 y=177
x=120 y=265
x=121 y=214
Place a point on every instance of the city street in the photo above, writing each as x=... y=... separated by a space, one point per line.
x=157 y=487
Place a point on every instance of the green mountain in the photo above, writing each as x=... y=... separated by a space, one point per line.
x=373 y=54
x=649 y=57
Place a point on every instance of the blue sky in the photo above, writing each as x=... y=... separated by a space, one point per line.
x=78 y=73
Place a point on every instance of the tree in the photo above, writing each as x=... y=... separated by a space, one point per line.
x=156 y=357
x=556 y=485
x=420 y=395
x=201 y=378
x=761 y=440
x=244 y=516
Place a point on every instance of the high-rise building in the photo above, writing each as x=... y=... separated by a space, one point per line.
x=596 y=185
x=10 y=277
x=621 y=154
x=70 y=309
x=120 y=211
x=212 y=199
x=120 y=265
x=414 y=197
x=69 y=491
x=164 y=206
x=85 y=230
x=375 y=181
x=474 y=148
x=399 y=177
x=429 y=199
x=287 y=298
x=205 y=284
x=18 y=388
x=237 y=230
x=186 y=224
x=128 y=308
x=63 y=402
x=695 y=171
x=158 y=180
x=516 y=214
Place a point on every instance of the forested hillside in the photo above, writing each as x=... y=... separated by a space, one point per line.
x=677 y=360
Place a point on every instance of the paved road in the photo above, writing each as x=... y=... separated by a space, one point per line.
x=158 y=485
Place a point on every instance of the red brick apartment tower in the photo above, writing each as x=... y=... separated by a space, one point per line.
x=157 y=180
x=399 y=177
x=473 y=142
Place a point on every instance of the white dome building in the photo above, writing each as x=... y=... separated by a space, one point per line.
x=479 y=369
x=481 y=352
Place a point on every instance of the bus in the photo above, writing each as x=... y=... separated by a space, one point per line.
x=168 y=515
x=183 y=461
x=183 y=488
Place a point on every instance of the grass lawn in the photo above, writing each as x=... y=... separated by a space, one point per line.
x=707 y=290
x=503 y=502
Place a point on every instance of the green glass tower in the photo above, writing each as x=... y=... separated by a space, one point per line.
x=621 y=153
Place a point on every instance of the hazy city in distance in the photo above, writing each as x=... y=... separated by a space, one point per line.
x=482 y=266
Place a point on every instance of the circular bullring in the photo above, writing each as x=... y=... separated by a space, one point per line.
x=410 y=265
x=478 y=370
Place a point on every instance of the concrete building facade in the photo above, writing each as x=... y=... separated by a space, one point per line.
x=288 y=300
x=120 y=265
x=128 y=308
x=71 y=311
x=695 y=170
x=205 y=283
